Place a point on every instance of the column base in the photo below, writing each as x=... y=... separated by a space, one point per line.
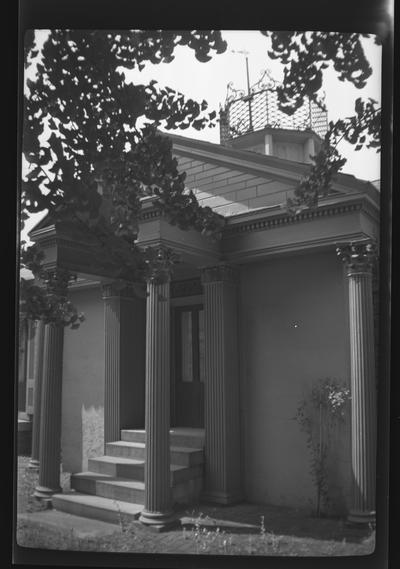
x=33 y=464
x=159 y=521
x=361 y=518
x=218 y=497
x=45 y=493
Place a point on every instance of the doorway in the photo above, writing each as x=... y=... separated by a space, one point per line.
x=188 y=368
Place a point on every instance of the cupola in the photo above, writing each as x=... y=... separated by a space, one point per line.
x=254 y=122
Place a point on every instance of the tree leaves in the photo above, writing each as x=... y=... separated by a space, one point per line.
x=305 y=54
x=361 y=130
x=93 y=140
x=317 y=182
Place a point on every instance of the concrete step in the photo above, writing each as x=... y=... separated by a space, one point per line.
x=192 y=438
x=134 y=469
x=131 y=491
x=119 y=489
x=96 y=507
x=123 y=449
x=118 y=467
x=183 y=456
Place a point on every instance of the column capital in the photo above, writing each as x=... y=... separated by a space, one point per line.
x=159 y=264
x=220 y=273
x=359 y=257
x=57 y=280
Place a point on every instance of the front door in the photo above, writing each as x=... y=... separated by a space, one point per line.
x=189 y=366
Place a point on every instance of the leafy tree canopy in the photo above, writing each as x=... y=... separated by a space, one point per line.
x=105 y=129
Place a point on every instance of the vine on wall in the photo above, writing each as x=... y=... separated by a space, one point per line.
x=318 y=415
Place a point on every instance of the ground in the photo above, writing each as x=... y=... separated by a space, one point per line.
x=245 y=529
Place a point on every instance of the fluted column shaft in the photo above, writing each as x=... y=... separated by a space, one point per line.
x=50 y=425
x=222 y=431
x=38 y=374
x=158 y=506
x=112 y=364
x=359 y=259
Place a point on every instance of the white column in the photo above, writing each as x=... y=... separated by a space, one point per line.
x=158 y=512
x=309 y=150
x=50 y=424
x=222 y=430
x=112 y=364
x=359 y=258
x=38 y=375
x=268 y=145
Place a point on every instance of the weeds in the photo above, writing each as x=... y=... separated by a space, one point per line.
x=217 y=541
x=204 y=535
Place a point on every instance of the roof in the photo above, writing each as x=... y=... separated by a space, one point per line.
x=252 y=163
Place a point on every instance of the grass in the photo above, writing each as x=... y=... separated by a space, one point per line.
x=231 y=530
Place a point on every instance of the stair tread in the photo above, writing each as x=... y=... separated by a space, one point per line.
x=98 y=502
x=127 y=444
x=133 y=461
x=130 y=444
x=118 y=460
x=189 y=432
x=114 y=480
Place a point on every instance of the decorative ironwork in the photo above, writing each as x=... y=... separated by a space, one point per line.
x=259 y=109
x=233 y=94
x=262 y=84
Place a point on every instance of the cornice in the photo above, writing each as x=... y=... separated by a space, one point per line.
x=179 y=246
x=246 y=256
x=272 y=217
x=151 y=214
x=84 y=283
x=45 y=233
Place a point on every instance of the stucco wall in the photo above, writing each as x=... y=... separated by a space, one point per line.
x=289 y=151
x=293 y=330
x=83 y=384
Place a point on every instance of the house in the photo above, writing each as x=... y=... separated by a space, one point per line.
x=189 y=391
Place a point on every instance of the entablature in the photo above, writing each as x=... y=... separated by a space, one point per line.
x=247 y=237
x=270 y=231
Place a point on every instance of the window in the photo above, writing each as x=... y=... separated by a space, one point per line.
x=190 y=343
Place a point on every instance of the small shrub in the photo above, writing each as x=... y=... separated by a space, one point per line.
x=317 y=415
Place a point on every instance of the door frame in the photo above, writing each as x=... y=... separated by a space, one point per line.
x=177 y=303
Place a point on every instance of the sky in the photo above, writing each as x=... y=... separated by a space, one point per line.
x=209 y=81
